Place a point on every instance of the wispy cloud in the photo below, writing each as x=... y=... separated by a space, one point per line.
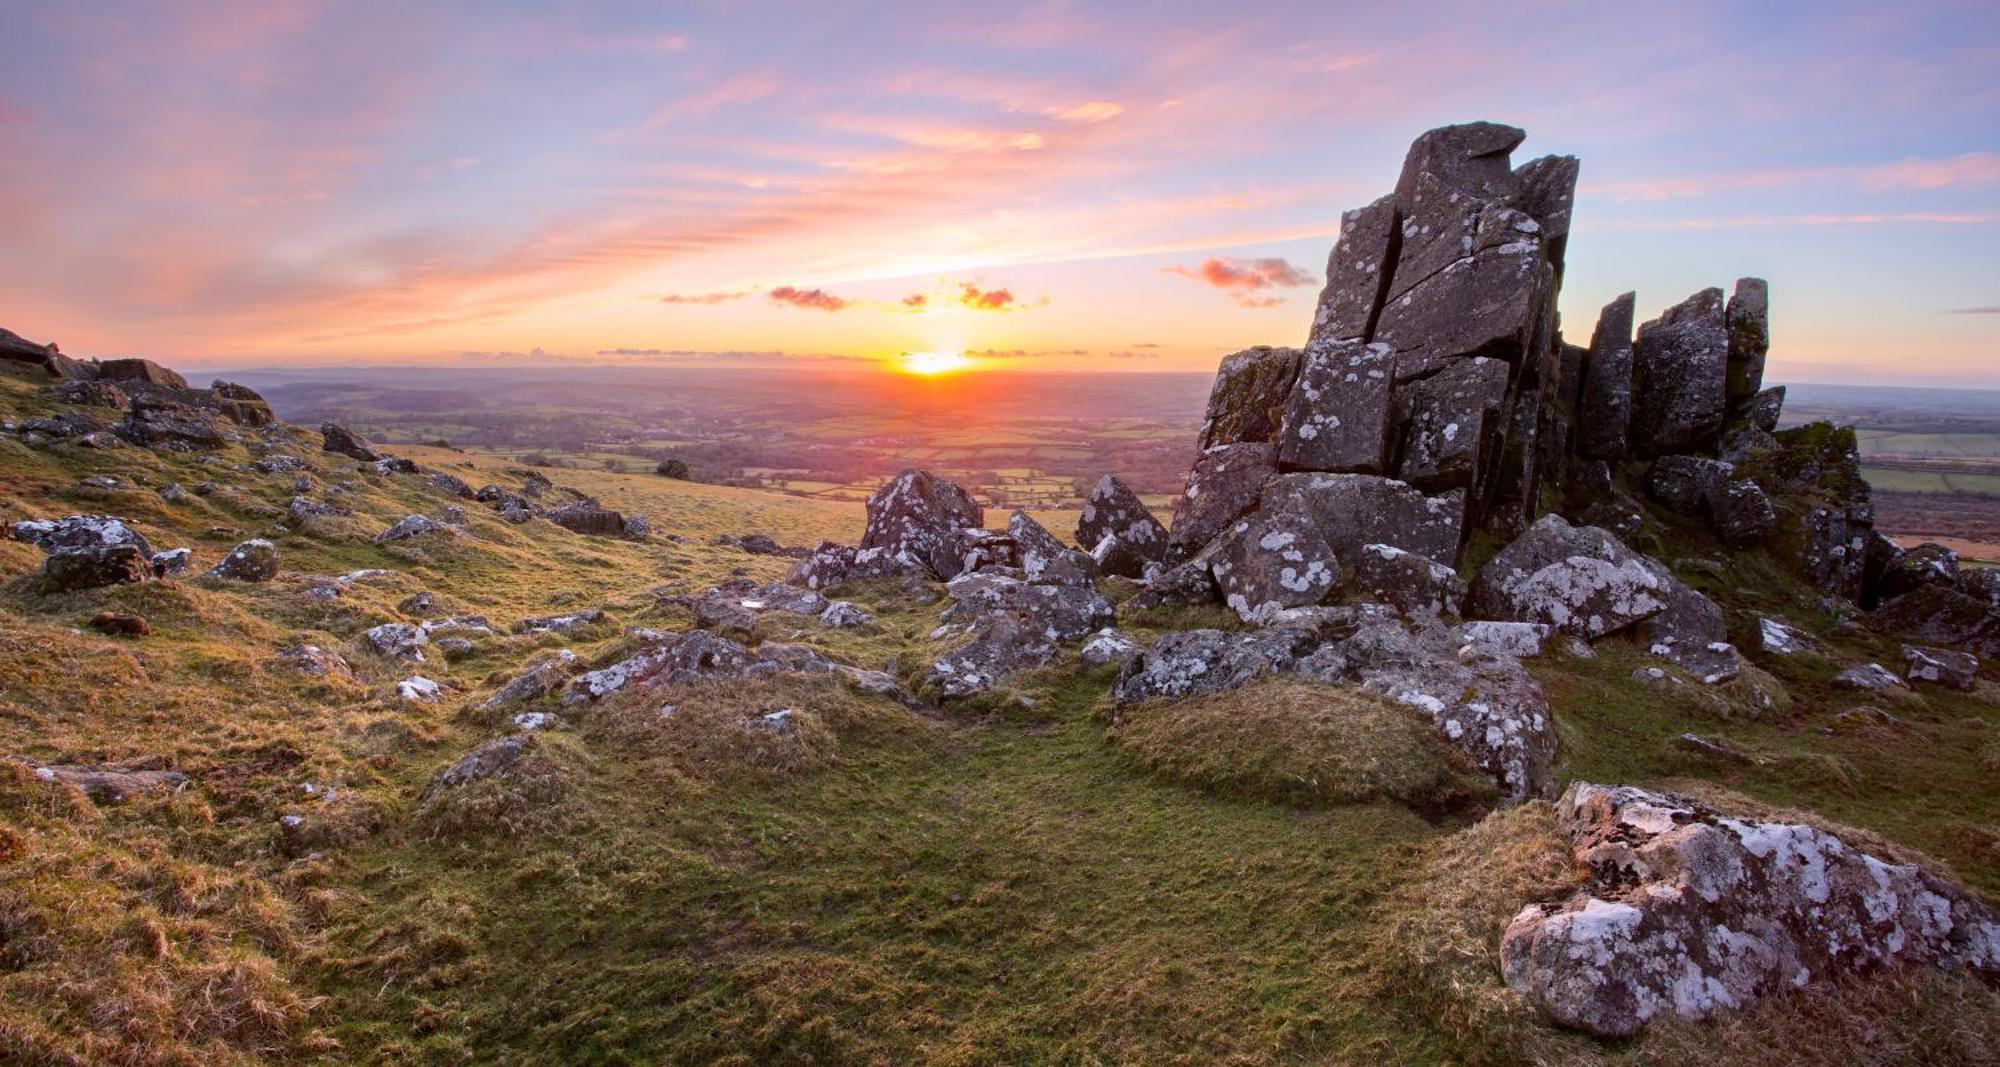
x=1990 y=309
x=1969 y=170
x=1933 y=218
x=704 y=298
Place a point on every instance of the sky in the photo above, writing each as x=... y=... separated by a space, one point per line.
x=1045 y=186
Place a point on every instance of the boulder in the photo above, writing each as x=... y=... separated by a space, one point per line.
x=1223 y=486
x=1680 y=378
x=1766 y=408
x=398 y=640
x=142 y=371
x=589 y=518
x=842 y=614
x=1118 y=531
x=340 y=440
x=491 y=759
x=1190 y=662
x=66 y=572
x=1938 y=615
x=833 y=564
x=1941 y=666
x=1521 y=640
x=1337 y=418
x=162 y=423
x=120 y=624
x=79 y=533
x=1247 y=401
x=1687 y=484
x=1483 y=702
x=560 y=624
x=316 y=662
x=1742 y=515
x=1691 y=633
x=255 y=560
x=171 y=562
x=1689 y=911
x=1579 y=579
x=1044 y=559
x=451 y=485
x=1271 y=561
x=1782 y=639
x=916 y=516
x=93 y=393
x=1352 y=510
x=1179 y=585
x=1106 y=647
x=636 y=528
x=1926 y=564
x=1410 y=583
x=241 y=404
x=418 y=689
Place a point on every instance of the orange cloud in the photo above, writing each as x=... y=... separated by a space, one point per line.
x=972 y=296
x=701 y=298
x=1243 y=279
x=817 y=299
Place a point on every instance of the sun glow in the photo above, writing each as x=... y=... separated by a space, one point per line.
x=934 y=363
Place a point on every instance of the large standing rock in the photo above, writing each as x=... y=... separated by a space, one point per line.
x=1748 y=318
x=1681 y=378
x=1352 y=510
x=1118 y=531
x=1689 y=912
x=1222 y=487
x=1579 y=579
x=1490 y=302
x=1604 y=414
x=1338 y=416
x=1247 y=401
x=1271 y=561
x=917 y=516
x=343 y=441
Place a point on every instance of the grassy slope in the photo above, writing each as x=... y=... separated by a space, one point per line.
x=970 y=888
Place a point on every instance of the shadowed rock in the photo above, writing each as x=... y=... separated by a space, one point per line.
x=1271 y=561
x=1248 y=398
x=340 y=440
x=1119 y=531
x=1222 y=487
x=917 y=516
x=1680 y=378
x=1337 y=418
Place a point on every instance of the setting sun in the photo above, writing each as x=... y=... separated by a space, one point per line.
x=930 y=363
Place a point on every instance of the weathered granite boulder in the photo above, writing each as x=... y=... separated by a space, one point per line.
x=834 y=564
x=1689 y=912
x=112 y=784
x=916 y=517
x=1783 y=639
x=409 y=527
x=340 y=440
x=1106 y=647
x=1337 y=418
x=1223 y=486
x=1182 y=584
x=1766 y=408
x=1361 y=264
x=1044 y=559
x=1247 y=401
x=678 y=658
x=255 y=560
x=1118 y=531
x=1681 y=378
x=490 y=759
x=1926 y=564
x=1271 y=561
x=1352 y=510
x=1408 y=582
x=79 y=533
x=1605 y=410
x=1579 y=579
x=1938 y=615
x=398 y=640
x=1691 y=633
x=538 y=681
x=162 y=423
x=1869 y=678
x=241 y=404
x=1941 y=666
x=1189 y=662
x=561 y=624
x=315 y=662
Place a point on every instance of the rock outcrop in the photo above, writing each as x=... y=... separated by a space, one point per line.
x=1689 y=911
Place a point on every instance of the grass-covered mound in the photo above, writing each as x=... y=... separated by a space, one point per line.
x=1301 y=742
x=1440 y=953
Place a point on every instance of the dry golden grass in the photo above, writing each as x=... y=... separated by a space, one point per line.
x=1300 y=742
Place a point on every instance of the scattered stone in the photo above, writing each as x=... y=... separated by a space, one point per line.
x=314 y=661
x=1521 y=640
x=637 y=528
x=1689 y=912
x=398 y=640
x=492 y=759
x=1938 y=666
x=171 y=562
x=343 y=441
x=1190 y=662
x=66 y=572
x=536 y=682
x=588 y=518
x=842 y=614
x=112 y=784
x=833 y=564
x=1783 y=639
x=255 y=560
x=561 y=624
x=1869 y=678
x=80 y=533
x=409 y=527
x=916 y=517
x=1118 y=531
x=417 y=689
x=530 y=721
x=1106 y=647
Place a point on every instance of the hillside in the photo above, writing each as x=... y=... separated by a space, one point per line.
x=936 y=786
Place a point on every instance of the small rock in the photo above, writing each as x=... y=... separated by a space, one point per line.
x=1868 y=677
x=419 y=690
x=119 y=624
x=1938 y=666
x=252 y=561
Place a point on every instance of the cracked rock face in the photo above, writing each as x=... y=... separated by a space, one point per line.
x=1272 y=561
x=1681 y=369
x=1689 y=911
x=1407 y=581
x=916 y=517
x=1337 y=418
x=1352 y=510
x=1579 y=579
x=1222 y=487
x=1118 y=531
x=1247 y=401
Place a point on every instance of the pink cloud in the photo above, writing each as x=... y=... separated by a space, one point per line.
x=972 y=296
x=702 y=298
x=1972 y=169
x=1244 y=279
x=817 y=299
